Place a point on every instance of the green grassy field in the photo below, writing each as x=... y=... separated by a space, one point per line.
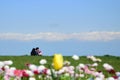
x=20 y=61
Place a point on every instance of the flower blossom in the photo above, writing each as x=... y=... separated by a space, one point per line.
x=41 y=68
x=58 y=61
x=107 y=66
x=118 y=74
x=1 y=64
x=110 y=78
x=18 y=73
x=43 y=61
x=94 y=59
x=30 y=73
x=9 y=62
x=66 y=63
x=75 y=57
x=32 y=78
x=32 y=67
x=95 y=64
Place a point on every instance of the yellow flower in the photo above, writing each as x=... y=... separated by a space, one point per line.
x=57 y=61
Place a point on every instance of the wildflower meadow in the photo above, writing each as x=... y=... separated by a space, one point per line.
x=58 y=67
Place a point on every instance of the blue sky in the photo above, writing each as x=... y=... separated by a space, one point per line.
x=82 y=27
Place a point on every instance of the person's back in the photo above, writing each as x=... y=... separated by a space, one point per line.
x=33 y=52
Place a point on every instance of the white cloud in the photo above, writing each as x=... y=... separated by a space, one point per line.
x=50 y=36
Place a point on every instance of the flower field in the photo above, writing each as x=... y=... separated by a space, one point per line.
x=59 y=67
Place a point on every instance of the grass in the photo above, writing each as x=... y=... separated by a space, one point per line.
x=20 y=61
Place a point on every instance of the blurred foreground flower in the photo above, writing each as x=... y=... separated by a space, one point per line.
x=9 y=62
x=66 y=63
x=75 y=57
x=88 y=71
x=43 y=61
x=32 y=78
x=94 y=59
x=58 y=61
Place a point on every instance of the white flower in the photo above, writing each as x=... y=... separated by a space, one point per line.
x=107 y=66
x=32 y=78
x=30 y=73
x=9 y=62
x=97 y=78
x=17 y=78
x=6 y=68
x=99 y=60
x=40 y=76
x=81 y=65
x=13 y=68
x=1 y=64
x=43 y=61
x=41 y=68
x=32 y=67
x=67 y=74
x=76 y=75
x=48 y=72
x=75 y=57
x=66 y=63
x=95 y=65
x=94 y=59
x=118 y=78
x=92 y=69
x=71 y=72
x=61 y=71
x=82 y=75
x=65 y=69
x=71 y=67
x=118 y=74
x=48 y=77
x=102 y=76
x=110 y=78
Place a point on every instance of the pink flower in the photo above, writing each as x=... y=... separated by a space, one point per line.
x=18 y=73
x=6 y=77
x=87 y=71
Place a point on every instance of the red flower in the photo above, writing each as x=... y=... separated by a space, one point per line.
x=35 y=72
x=3 y=68
x=115 y=77
x=111 y=71
x=44 y=71
x=25 y=74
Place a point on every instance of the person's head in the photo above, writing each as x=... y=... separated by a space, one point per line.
x=37 y=48
x=33 y=49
